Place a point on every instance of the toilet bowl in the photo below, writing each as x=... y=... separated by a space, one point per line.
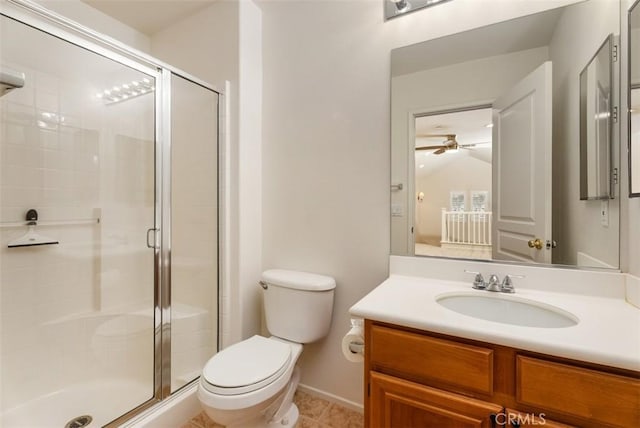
x=251 y=384
x=247 y=384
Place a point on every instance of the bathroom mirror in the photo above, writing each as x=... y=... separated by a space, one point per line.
x=485 y=137
x=596 y=124
x=634 y=100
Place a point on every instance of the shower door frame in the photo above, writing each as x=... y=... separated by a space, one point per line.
x=42 y=19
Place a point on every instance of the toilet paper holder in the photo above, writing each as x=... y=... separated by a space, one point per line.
x=356 y=347
x=353 y=342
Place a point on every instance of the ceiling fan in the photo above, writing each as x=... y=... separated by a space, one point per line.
x=450 y=143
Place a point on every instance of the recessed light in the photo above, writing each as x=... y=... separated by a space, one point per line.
x=421 y=165
x=489 y=125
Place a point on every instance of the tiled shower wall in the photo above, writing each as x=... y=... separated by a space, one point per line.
x=74 y=159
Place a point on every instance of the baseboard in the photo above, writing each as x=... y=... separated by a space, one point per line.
x=171 y=413
x=331 y=397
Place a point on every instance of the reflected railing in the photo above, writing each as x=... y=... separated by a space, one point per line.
x=466 y=227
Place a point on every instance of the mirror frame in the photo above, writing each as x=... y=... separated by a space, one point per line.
x=630 y=87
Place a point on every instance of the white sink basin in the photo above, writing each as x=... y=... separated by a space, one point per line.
x=507 y=309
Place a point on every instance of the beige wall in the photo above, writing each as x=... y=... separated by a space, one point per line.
x=465 y=174
x=94 y=19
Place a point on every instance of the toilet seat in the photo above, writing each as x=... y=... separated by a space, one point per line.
x=246 y=366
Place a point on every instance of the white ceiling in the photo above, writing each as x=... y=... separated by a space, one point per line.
x=510 y=36
x=148 y=16
x=469 y=127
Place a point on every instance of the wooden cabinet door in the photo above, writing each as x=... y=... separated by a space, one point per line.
x=398 y=403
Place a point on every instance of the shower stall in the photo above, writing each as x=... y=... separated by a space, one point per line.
x=108 y=225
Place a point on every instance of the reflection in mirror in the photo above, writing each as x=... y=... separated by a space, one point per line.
x=634 y=101
x=596 y=119
x=485 y=143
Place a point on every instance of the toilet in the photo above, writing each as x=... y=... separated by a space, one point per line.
x=251 y=384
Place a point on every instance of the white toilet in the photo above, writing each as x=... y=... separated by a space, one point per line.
x=251 y=384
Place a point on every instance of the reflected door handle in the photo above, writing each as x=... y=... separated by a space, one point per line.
x=536 y=243
x=151 y=244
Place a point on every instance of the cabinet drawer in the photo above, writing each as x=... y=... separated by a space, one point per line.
x=590 y=394
x=424 y=358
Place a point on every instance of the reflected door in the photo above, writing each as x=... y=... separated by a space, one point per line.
x=522 y=169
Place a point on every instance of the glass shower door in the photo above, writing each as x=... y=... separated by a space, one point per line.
x=77 y=316
x=194 y=229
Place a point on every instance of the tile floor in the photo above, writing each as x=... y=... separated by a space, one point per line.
x=314 y=413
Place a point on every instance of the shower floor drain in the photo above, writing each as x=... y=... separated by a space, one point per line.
x=79 y=422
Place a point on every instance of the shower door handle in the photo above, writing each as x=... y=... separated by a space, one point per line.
x=153 y=244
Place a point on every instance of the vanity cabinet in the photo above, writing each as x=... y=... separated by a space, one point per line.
x=419 y=379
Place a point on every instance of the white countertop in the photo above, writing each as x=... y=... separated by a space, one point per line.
x=608 y=331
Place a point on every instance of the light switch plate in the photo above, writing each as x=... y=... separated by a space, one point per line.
x=604 y=213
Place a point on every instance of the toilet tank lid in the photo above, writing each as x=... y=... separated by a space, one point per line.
x=298 y=280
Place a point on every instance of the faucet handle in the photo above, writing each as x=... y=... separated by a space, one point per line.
x=507 y=283
x=478 y=281
x=494 y=283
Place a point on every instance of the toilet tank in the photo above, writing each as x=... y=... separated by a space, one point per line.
x=297 y=305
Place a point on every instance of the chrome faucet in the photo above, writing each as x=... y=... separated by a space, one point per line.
x=507 y=283
x=494 y=284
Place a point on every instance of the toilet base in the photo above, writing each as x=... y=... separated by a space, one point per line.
x=289 y=420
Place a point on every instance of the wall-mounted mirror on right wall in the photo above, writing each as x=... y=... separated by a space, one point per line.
x=485 y=141
x=634 y=100
x=596 y=124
